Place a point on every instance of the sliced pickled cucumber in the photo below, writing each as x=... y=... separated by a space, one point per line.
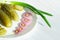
x=2 y=31
x=20 y=8
x=8 y=9
x=5 y=20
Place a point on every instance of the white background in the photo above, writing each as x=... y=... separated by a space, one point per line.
x=43 y=32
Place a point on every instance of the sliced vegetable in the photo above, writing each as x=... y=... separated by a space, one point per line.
x=5 y=20
x=27 y=14
x=8 y=9
x=20 y=8
x=18 y=30
x=2 y=31
x=25 y=20
x=22 y=24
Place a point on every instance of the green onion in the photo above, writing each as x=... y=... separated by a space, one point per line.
x=32 y=9
x=45 y=13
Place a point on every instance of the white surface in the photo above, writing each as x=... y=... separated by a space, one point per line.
x=43 y=32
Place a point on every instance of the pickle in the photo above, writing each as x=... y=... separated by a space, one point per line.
x=2 y=31
x=17 y=7
x=10 y=11
x=5 y=20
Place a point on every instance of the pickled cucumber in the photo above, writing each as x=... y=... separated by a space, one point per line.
x=2 y=31
x=5 y=20
x=20 y=8
x=8 y=9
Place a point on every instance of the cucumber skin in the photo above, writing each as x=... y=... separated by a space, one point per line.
x=10 y=12
x=2 y=31
x=6 y=21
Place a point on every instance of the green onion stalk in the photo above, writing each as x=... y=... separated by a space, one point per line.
x=36 y=11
